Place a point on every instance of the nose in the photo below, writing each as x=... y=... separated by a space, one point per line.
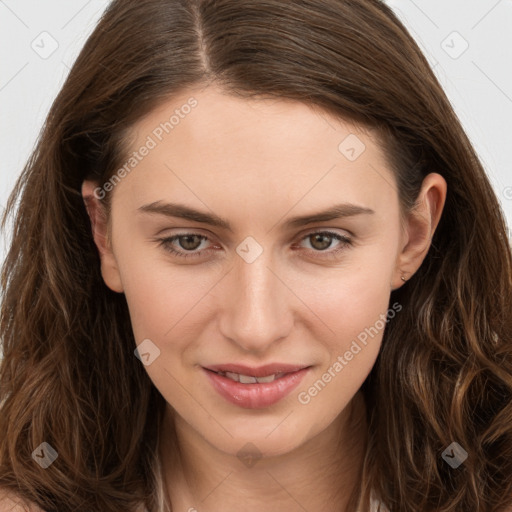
x=257 y=307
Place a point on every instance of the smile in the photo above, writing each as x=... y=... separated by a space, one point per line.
x=251 y=392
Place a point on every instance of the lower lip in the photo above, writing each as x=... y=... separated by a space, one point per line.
x=255 y=396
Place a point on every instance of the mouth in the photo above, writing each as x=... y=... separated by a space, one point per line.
x=255 y=388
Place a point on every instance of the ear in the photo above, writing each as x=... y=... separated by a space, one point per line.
x=101 y=235
x=419 y=227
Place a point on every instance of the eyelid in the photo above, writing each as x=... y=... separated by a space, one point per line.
x=298 y=236
x=320 y=229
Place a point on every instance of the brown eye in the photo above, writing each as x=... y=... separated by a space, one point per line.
x=187 y=245
x=189 y=242
x=321 y=241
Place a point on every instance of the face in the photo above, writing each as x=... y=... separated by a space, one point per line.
x=256 y=289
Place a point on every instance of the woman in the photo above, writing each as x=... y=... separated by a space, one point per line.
x=256 y=264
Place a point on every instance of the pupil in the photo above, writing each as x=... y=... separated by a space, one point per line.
x=319 y=237
x=187 y=239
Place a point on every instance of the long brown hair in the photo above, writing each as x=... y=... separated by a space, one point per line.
x=69 y=376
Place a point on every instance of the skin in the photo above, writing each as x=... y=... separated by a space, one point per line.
x=256 y=163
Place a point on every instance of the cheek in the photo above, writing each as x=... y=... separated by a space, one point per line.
x=352 y=297
x=355 y=314
x=357 y=317
x=161 y=303
x=153 y=291
x=353 y=302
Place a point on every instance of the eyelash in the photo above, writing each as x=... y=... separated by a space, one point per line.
x=166 y=244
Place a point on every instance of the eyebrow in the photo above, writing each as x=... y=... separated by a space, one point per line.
x=185 y=212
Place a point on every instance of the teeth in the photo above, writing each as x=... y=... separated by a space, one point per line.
x=269 y=378
x=248 y=379
x=245 y=379
x=232 y=376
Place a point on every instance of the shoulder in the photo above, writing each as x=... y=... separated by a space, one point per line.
x=11 y=502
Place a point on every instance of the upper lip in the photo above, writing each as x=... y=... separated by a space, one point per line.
x=260 y=371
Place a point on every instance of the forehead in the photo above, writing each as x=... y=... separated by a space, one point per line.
x=257 y=151
x=265 y=127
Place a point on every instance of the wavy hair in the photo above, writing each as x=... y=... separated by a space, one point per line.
x=68 y=375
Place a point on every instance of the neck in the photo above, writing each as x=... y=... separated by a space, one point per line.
x=320 y=474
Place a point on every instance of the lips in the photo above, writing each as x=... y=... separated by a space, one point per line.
x=241 y=384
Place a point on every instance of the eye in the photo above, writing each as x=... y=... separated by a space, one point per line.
x=322 y=240
x=189 y=243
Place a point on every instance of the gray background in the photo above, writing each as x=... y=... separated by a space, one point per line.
x=468 y=42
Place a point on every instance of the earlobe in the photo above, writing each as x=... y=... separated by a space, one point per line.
x=419 y=229
x=99 y=227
